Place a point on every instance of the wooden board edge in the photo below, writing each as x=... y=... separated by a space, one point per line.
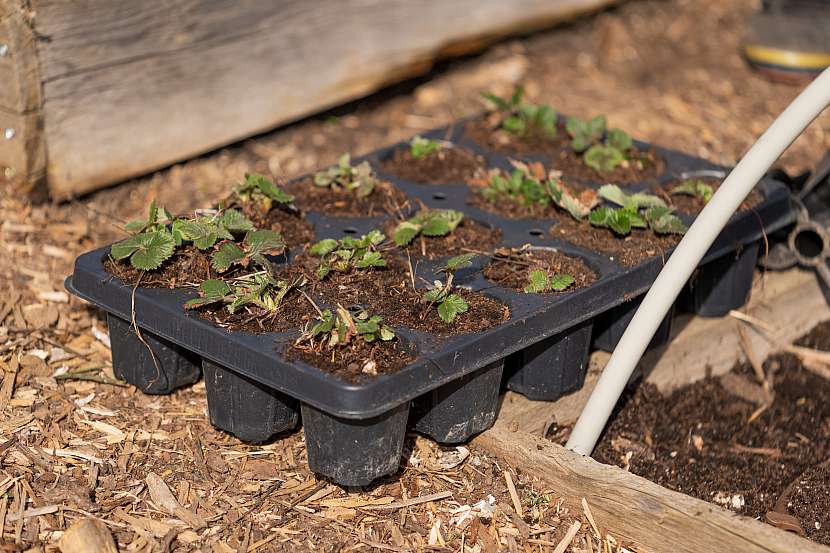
x=23 y=157
x=635 y=510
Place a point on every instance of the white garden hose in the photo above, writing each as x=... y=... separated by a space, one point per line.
x=686 y=257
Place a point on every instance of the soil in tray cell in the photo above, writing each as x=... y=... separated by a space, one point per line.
x=384 y=199
x=640 y=166
x=487 y=132
x=694 y=204
x=700 y=440
x=628 y=251
x=452 y=165
x=291 y=223
x=468 y=236
x=389 y=292
x=187 y=267
x=510 y=268
x=357 y=361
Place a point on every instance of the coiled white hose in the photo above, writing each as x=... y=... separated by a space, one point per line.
x=686 y=257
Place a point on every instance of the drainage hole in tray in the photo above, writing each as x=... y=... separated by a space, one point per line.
x=439 y=196
x=536 y=232
x=349 y=230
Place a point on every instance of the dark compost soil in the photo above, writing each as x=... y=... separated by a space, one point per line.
x=699 y=440
x=693 y=204
x=469 y=235
x=348 y=362
x=452 y=165
x=383 y=200
x=486 y=131
x=510 y=269
x=641 y=166
x=388 y=292
x=291 y=223
x=507 y=207
x=187 y=267
x=627 y=251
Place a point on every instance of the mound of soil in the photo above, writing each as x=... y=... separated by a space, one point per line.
x=189 y=266
x=347 y=362
x=628 y=251
x=700 y=440
x=693 y=204
x=486 y=131
x=510 y=269
x=447 y=166
x=389 y=292
x=383 y=200
x=507 y=207
x=641 y=166
x=469 y=235
x=292 y=224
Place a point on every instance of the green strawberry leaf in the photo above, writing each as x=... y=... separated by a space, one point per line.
x=227 y=254
x=561 y=282
x=452 y=306
x=538 y=282
x=405 y=233
x=323 y=247
x=153 y=249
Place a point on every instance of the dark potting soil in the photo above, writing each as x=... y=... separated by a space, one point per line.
x=452 y=165
x=294 y=313
x=699 y=440
x=468 y=236
x=810 y=503
x=348 y=361
x=187 y=267
x=487 y=132
x=694 y=204
x=627 y=251
x=388 y=292
x=384 y=199
x=291 y=223
x=507 y=207
x=510 y=268
x=641 y=166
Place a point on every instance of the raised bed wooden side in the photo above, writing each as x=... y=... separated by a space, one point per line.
x=126 y=87
x=633 y=508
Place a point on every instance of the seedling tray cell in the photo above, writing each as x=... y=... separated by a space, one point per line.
x=355 y=430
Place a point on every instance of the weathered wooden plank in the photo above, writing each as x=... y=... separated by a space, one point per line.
x=22 y=153
x=791 y=301
x=133 y=86
x=634 y=509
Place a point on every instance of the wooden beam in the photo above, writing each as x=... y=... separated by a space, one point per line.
x=129 y=87
x=22 y=146
x=635 y=510
x=790 y=301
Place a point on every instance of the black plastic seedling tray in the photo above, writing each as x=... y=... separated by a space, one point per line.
x=355 y=432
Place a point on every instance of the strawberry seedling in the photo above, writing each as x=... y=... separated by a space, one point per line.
x=261 y=290
x=602 y=149
x=450 y=305
x=637 y=210
x=541 y=281
x=205 y=230
x=344 y=176
x=523 y=118
x=349 y=253
x=420 y=147
x=694 y=188
x=151 y=242
x=340 y=327
x=524 y=185
x=258 y=189
x=433 y=222
x=256 y=245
